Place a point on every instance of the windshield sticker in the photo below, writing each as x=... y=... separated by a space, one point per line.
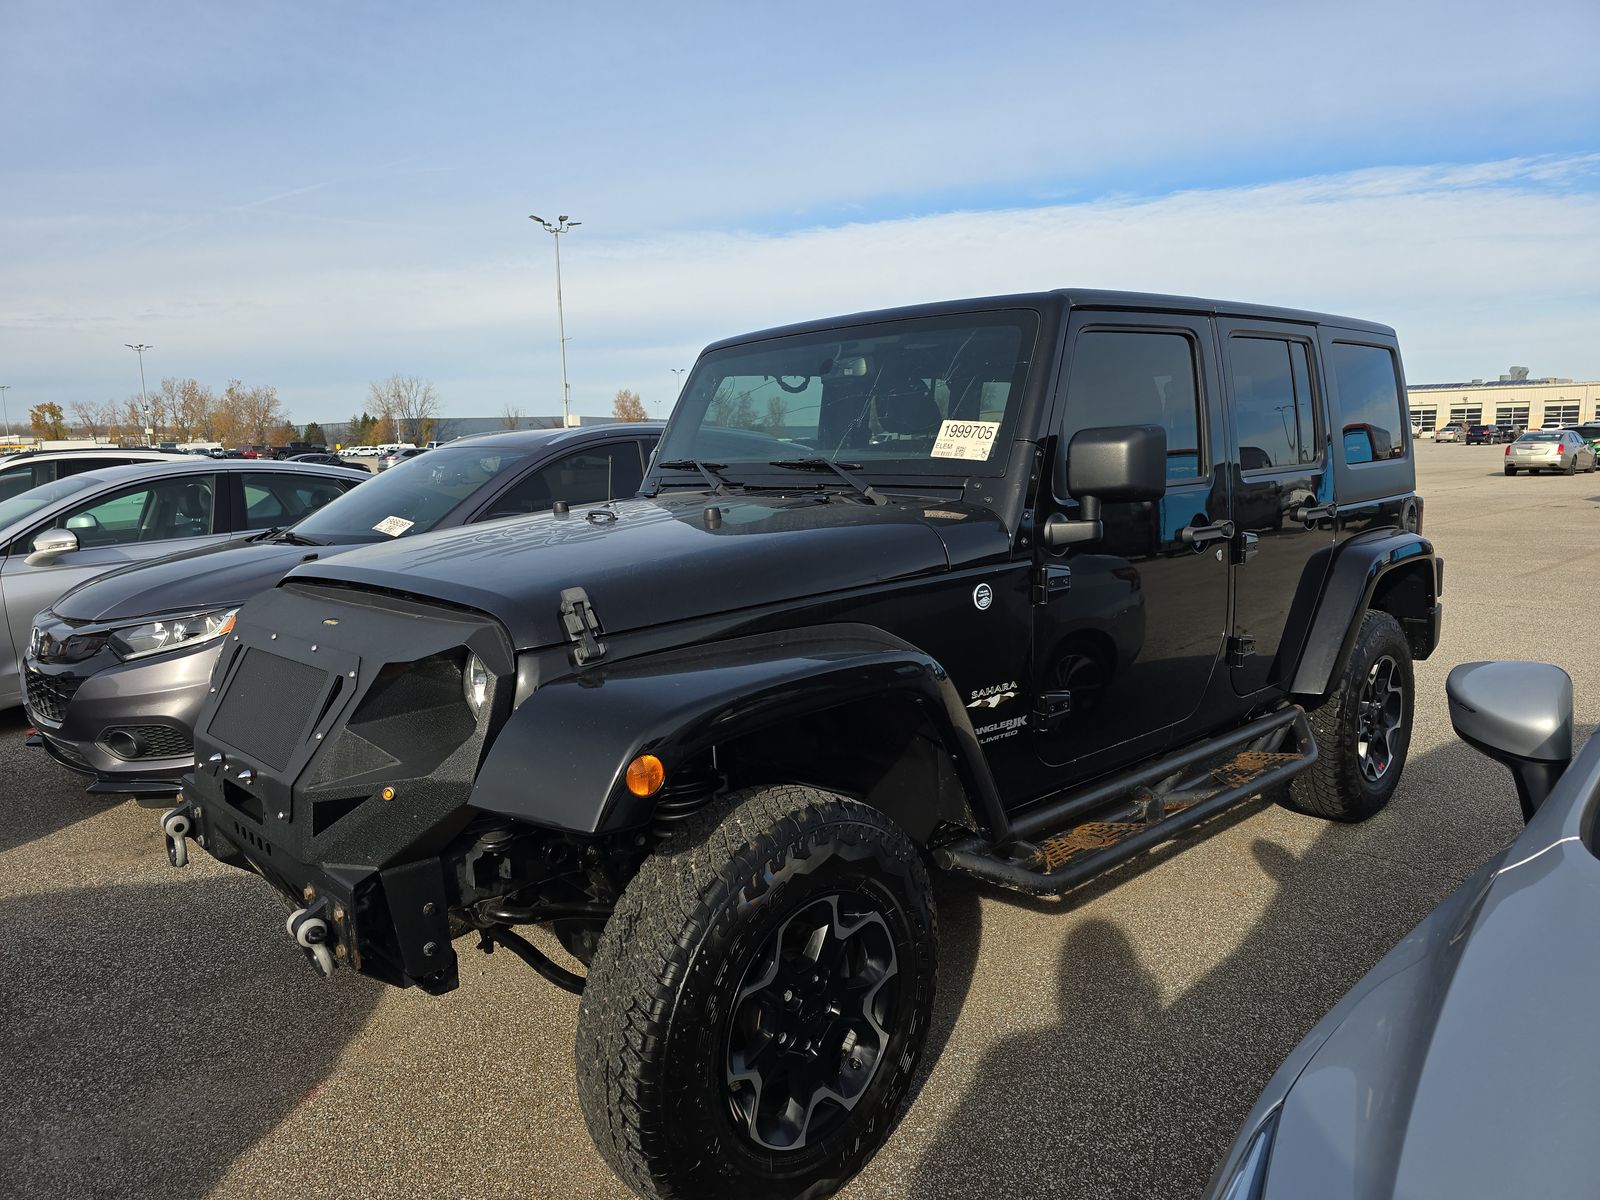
x=971 y=440
x=393 y=526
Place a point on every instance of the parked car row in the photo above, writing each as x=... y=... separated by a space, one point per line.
x=121 y=708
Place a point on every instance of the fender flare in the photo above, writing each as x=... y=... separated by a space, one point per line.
x=1360 y=566
x=559 y=761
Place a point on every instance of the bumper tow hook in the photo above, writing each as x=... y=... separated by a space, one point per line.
x=175 y=824
x=311 y=934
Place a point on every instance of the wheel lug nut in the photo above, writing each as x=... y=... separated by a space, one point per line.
x=788 y=995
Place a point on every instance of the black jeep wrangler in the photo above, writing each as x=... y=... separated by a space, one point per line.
x=1016 y=587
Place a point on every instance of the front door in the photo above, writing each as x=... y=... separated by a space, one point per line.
x=1129 y=629
x=1282 y=490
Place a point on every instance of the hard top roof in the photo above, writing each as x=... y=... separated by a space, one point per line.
x=1073 y=298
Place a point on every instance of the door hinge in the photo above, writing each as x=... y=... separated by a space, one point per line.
x=1239 y=649
x=1050 y=709
x=582 y=626
x=1245 y=547
x=1051 y=579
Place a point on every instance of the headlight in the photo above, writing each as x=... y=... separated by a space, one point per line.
x=475 y=684
x=171 y=633
x=1249 y=1179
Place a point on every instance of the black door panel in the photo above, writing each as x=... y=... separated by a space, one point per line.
x=1283 y=508
x=1128 y=647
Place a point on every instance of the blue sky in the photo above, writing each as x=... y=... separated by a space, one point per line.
x=317 y=196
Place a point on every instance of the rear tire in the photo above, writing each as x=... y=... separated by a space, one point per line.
x=1511 y=470
x=1363 y=729
x=780 y=918
x=1572 y=467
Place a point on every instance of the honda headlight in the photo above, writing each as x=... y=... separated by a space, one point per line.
x=172 y=633
x=475 y=684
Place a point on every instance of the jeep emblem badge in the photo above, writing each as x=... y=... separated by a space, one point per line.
x=982 y=596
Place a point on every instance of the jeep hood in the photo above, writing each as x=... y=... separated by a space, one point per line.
x=647 y=562
x=210 y=577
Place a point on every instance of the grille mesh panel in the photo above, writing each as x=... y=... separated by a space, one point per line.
x=159 y=741
x=267 y=705
x=49 y=695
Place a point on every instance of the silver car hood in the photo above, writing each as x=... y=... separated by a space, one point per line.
x=1465 y=1064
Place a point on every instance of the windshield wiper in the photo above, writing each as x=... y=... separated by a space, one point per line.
x=284 y=534
x=865 y=490
x=711 y=472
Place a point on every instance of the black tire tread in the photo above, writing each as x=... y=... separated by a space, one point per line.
x=1328 y=788
x=647 y=946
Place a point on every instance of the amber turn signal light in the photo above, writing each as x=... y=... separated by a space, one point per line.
x=646 y=775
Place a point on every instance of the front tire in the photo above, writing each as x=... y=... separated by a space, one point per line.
x=1363 y=730
x=758 y=1002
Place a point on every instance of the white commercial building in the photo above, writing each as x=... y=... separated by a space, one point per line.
x=1513 y=399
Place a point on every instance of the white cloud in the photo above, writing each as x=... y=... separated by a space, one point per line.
x=1477 y=265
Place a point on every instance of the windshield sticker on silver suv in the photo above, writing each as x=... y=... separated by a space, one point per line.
x=971 y=440
x=393 y=526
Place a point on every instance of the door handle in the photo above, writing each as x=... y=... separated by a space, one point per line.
x=1199 y=535
x=1310 y=514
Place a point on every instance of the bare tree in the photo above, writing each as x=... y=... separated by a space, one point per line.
x=89 y=418
x=511 y=417
x=249 y=414
x=628 y=407
x=409 y=403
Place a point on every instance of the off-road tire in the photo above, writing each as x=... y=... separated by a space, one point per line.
x=654 y=1028
x=1335 y=786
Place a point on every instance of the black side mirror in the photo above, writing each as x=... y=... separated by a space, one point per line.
x=1115 y=464
x=1519 y=714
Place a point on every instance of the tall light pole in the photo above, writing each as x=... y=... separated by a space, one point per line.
x=4 y=388
x=144 y=400
x=562 y=225
x=677 y=384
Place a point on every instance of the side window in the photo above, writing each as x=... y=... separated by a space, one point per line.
x=173 y=508
x=586 y=477
x=274 y=500
x=1139 y=378
x=76 y=466
x=1272 y=402
x=1369 y=402
x=17 y=479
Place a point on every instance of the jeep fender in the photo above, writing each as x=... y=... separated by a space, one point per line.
x=1391 y=569
x=560 y=760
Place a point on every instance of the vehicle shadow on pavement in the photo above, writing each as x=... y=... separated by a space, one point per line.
x=137 y=1067
x=1138 y=1087
x=32 y=814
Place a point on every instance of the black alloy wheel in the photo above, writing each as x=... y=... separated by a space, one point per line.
x=808 y=1030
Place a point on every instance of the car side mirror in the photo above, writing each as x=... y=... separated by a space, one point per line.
x=1114 y=464
x=1519 y=714
x=52 y=544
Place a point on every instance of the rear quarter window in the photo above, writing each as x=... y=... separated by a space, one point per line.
x=1371 y=417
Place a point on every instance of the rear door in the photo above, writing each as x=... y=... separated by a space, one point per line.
x=1128 y=629
x=1283 y=508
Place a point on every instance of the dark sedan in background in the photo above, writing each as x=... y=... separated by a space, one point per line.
x=1464 y=1065
x=1485 y=435
x=128 y=658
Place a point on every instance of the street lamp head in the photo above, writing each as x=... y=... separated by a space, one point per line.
x=562 y=217
x=572 y=224
x=531 y=217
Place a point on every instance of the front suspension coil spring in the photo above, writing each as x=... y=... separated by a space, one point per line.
x=689 y=790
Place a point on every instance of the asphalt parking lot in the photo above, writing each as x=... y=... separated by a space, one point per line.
x=160 y=1036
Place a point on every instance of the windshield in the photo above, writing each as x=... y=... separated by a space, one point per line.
x=932 y=395
x=31 y=501
x=411 y=497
